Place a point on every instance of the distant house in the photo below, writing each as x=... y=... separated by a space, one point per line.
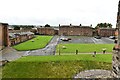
x=72 y=30
x=47 y=31
x=10 y=28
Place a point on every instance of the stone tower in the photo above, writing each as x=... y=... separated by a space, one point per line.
x=4 y=38
x=116 y=49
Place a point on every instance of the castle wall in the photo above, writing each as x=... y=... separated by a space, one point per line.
x=116 y=49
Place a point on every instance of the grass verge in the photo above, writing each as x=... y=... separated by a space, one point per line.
x=55 y=66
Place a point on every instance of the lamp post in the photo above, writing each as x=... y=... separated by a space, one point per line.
x=59 y=41
x=59 y=45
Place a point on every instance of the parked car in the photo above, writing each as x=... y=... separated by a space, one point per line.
x=112 y=37
x=65 y=39
x=97 y=37
x=69 y=39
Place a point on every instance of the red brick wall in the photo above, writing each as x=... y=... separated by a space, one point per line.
x=46 y=31
x=107 y=32
x=82 y=31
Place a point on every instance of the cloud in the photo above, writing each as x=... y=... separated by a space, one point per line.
x=57 y=12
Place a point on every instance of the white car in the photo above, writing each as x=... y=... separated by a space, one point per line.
x=64 y=39
x=112 y=37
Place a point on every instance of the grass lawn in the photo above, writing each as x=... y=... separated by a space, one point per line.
x=84 y=48
x=55 y=66
x=39 y=42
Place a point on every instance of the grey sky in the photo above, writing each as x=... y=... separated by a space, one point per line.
x=55 y=12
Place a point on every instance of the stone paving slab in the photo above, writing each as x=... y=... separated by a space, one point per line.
x=94 y=74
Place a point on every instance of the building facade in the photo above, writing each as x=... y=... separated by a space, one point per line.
x=47 y=31
x=4 y=38
x=70 y=30
x=106 y=32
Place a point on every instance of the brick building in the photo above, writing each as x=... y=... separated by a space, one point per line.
x=47 y=31
x=70 y=30
x=4 y=38
x=106 y=32
x=16 y=38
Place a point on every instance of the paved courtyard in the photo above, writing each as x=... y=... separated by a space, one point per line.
x=81 y=39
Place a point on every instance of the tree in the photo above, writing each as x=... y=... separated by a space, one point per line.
x=47 y=25
x=80 y=24
x=16 y=27
x=104 y=25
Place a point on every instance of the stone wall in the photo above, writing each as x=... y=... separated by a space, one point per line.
x=4 y=38
x=116 y=49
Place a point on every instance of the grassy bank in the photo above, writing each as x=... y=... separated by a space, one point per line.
x=36 y=43
x=55 y=66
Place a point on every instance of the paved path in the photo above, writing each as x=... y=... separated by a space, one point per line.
x=94 y=74
x=10 y=54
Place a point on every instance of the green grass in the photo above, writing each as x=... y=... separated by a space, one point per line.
x=84 y=48
x=83 y=57
x=0 y=72
x=55 y=66
x=39 y=42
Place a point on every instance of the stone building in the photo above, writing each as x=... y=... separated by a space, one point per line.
x=71 y=30
x=116 y=49
x=4 y=38
x=47 y=31
x=106 y=32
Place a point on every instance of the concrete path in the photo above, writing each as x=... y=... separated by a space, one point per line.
x=10 y=54
x=94 y=74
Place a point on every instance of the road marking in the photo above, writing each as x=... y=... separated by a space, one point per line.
x=94 y=40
